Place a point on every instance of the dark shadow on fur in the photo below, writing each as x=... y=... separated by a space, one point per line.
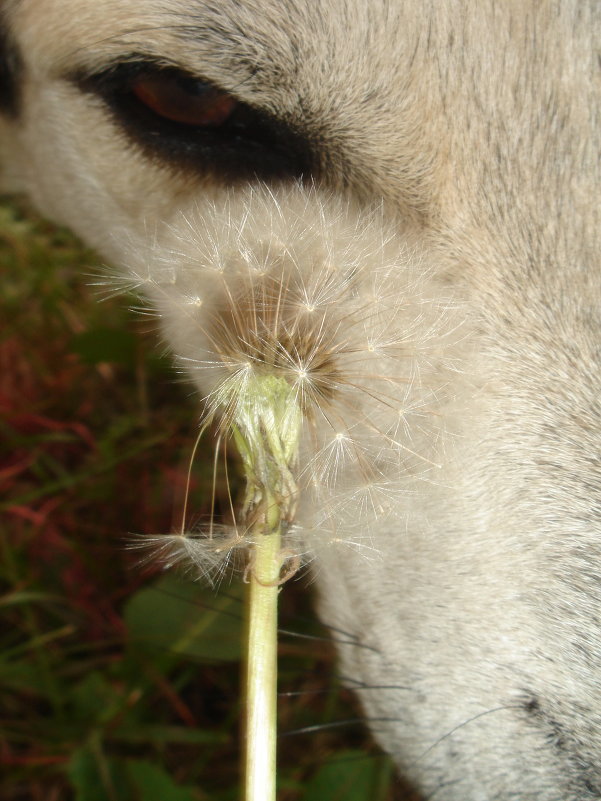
x=10 y=71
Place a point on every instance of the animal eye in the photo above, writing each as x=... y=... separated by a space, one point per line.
x=190 y=123
x=184 y=100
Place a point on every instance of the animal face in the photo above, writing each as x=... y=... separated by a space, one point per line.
x=425 y=176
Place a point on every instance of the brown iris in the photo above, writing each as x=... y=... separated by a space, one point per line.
x=184 y=100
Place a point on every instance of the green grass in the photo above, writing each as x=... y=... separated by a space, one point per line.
x=118 y=683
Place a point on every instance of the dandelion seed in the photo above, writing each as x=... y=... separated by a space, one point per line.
x=326 y=301
x=313 y=333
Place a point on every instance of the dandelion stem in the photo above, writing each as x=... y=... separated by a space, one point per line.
x=266 y=429
x=261 y=669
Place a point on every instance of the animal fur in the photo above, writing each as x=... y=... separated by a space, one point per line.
x=474 y=128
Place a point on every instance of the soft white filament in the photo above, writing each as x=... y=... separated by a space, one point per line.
x=332 y=299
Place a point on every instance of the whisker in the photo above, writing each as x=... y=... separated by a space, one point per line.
x=298 y=693
x=357 y=684
x=317 y=638
x=461 y=725
x=336 y=724
x=442 y=786
x=203 y=605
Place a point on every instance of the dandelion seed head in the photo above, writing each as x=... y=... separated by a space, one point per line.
x=305 y=317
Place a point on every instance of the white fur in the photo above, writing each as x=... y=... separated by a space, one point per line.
x=474 y=127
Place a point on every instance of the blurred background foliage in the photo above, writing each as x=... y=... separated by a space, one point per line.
x=119 y=682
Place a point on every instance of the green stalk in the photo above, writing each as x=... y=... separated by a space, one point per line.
x=265 y=424
x=261 y=669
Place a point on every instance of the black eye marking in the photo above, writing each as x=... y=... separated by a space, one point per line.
x=190 y=123
x=10 y=71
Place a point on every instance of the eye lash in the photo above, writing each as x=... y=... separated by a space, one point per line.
x=252 y=143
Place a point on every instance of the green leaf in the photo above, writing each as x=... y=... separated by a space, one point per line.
x=153 y=784
x=160 y=734
x=180 y=616
x=94 y=699
x=27 y=597
x=350 y=776
x=96 y=778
